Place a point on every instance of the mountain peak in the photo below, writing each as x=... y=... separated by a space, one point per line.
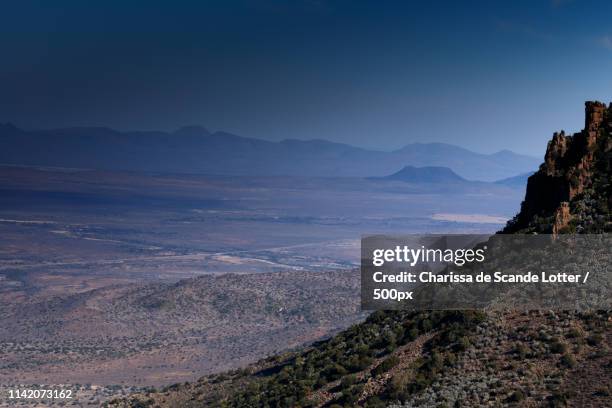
x=504 y=153
x=193 y=130
x=571 y=190
x=428 y=174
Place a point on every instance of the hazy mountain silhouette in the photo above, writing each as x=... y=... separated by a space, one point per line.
x=430 y=174
x=516 y=181
x=196 y=150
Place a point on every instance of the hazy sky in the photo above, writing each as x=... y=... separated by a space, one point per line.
x=486 y=75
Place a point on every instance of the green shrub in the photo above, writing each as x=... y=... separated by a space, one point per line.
x=450 y=359
x=334 y=371
x=516 y=396
x=421 y=381
x=350 y=396
x=567 y=360
x=557 y=400
x=348 y=380
x=375 y=402
x=386 y=365
x=595 y=339
x=436 y=363
x=397 y=388
x=412 y=334
x=521 y=351
x=557 y=347
x=358 y=362
x=463 y=343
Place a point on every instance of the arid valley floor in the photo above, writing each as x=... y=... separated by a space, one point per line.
x=115 y=280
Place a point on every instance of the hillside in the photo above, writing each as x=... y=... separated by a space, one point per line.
x=195 y=150
x=454 y=358
x=148 y=329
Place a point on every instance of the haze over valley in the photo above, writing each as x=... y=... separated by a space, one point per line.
x=137 y=279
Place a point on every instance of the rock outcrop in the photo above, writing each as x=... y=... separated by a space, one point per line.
x=562 y=218
x=565 y=181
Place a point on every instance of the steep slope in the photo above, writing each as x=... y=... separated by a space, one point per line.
x=454 y=358
x=196 y=150
x=148 y=328
x=428 y=359
x=572 y=190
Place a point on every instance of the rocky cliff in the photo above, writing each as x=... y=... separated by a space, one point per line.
x=571 y=191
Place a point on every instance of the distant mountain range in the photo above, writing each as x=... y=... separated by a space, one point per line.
x=196 y=150
x=430 y=174
x=516 y=181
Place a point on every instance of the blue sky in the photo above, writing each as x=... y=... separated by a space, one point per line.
x=487 y=75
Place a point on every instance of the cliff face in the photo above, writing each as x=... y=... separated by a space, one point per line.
x=571 y=190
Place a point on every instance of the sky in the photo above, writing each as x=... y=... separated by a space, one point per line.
x=486 y=75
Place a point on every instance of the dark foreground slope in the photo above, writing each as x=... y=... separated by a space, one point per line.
x=432 y=359
x=454 y=358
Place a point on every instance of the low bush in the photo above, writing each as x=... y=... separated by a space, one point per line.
x=567 y=360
